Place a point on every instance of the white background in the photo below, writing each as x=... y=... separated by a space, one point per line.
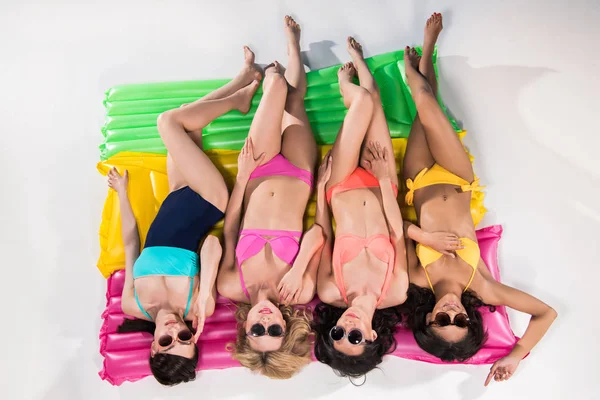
x=521 y=76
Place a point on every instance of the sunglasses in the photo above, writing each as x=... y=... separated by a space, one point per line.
x=258 y=330
x=443 y=319
x=355 y=336
x=185 y=337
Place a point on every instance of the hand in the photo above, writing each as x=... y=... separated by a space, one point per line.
x=203 y=308
x=378 y=162
x=503 y=369
x=290 y=287
x=118 y=182
x=444 y=242
x=246 y=161
x=324 y=171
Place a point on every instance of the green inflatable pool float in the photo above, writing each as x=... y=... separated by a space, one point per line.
x=132 y=110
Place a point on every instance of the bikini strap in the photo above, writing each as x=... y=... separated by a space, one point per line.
x=187 y=307
x=137 y=300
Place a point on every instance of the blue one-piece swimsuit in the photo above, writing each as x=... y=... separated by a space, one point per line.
x=183 y=219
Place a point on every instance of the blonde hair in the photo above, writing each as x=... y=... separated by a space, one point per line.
x=292 y=356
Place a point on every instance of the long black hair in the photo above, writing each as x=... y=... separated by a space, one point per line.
x=421 y=301
x=384 y=323
x=168 y=369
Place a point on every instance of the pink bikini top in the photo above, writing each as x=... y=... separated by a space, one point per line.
x=347 y=247
x=279 y=165
x=285 y=245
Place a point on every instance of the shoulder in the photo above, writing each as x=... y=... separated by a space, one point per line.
x=330 y=294
x=229 y=286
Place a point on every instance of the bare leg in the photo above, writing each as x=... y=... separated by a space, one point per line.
x=418 y=155
x=433 y=27
x=249 y=72
x=265 y=130
x=346 y=149
x=298 y=144
x=196 y=169
x=378 y=130
x=446 y=148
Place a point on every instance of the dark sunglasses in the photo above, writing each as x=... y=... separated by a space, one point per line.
x=258 y=330
x=355 y=336
x=185 y=336
x=443 y=319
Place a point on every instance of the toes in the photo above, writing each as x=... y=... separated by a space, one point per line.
x=248 y=55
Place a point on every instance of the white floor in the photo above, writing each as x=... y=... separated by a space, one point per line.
x=522 y=77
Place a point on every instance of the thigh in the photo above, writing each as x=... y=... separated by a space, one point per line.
x=444 y=144
x=346 y=148
x=298 y=142
x=418 y=155
x=174 y=175
x=265 y=129
x=379 y=132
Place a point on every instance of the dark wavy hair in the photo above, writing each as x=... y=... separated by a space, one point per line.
x=421 y=301
x=168 y=369
x=384 y=323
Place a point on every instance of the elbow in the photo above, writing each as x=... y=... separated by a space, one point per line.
x=553 y=314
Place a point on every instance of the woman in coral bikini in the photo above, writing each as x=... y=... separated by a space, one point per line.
x=449 y=280
x=165 y=287
x=269 y=263
x=362 y=275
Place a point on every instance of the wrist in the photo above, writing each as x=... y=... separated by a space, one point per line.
x=384 y=180
x=242 y=178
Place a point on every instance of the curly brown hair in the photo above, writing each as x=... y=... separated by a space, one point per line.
x=294 y=353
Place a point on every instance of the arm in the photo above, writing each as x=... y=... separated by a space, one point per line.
x=231 y=225
x=444 y=242
x=210 y=255
x=233 y=214
x=542 y=316
x=298 y=282
x=131 y=240
x=326 y=287
x=391 y=210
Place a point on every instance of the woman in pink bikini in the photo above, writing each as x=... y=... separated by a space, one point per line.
x=268 y=263
x=362 y=275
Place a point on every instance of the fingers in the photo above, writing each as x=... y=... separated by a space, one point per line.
x=126 y=174
x=449 y=253
x=490 y=375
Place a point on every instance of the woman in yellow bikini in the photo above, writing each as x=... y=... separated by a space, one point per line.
x=448 y=279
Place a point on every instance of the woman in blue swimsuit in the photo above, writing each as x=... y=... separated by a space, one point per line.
x=165 y=288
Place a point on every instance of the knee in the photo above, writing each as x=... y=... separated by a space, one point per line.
x=364 y=100
x=275 y=82
x=164 y=120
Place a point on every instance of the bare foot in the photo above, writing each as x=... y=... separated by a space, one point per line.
x=345 y=75
x=411 y=61
x=433 y=27
x=292 y=32
x=243 y=97
x=250 y=71
x=354 y=48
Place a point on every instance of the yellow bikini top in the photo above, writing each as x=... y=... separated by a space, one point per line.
x=470 y=254
x=438 y=175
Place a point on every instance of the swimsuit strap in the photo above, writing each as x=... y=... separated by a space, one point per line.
x=137 y=300
x=187 y=306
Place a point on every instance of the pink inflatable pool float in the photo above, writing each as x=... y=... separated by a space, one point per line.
x=126 y=354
